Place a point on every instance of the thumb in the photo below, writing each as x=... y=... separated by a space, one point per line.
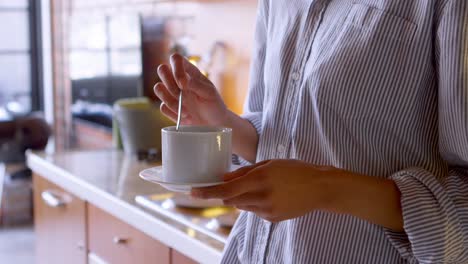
x=186 y=73
x=191 y=70
x=243 y=171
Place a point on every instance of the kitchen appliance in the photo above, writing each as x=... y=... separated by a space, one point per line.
x=155 y=50
x=139 y=123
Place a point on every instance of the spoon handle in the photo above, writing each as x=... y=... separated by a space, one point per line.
x=179 y=112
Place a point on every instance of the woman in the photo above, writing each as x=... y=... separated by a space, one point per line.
x=357 y=117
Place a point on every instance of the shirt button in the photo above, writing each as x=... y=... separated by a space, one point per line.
x=281 y=149
x=295 y=76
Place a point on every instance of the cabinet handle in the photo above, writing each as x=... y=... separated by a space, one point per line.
x=53 y=199
x=119 y=240
x=80 y=246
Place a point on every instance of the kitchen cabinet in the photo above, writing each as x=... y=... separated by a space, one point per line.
x=71 y=230
x=60 y=221
x=117 y=242
x=179 y=258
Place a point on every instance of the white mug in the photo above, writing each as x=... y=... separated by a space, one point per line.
x=196 y=154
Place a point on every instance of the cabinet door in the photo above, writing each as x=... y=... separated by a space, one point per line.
x=117 y=242
x=179 y=258
x=59 y=220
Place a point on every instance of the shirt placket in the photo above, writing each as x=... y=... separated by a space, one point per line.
x=295 y=80
x=291 y=105
x=263 y=241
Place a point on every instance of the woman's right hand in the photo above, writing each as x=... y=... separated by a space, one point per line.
x=201 y=104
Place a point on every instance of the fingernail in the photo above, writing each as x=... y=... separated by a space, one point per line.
x=181 y=84
x=159 y=70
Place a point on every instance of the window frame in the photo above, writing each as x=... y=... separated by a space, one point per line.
x=35 y=40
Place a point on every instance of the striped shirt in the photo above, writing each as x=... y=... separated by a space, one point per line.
x=377 y=87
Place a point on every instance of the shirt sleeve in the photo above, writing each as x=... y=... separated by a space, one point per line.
x=253 y=108
x=435 y=209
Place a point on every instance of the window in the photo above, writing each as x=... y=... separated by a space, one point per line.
x=105 y=56
x=19 y=89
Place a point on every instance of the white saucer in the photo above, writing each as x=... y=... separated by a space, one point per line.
x=154 y=175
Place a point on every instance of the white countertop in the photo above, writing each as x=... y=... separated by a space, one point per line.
x=109 y=180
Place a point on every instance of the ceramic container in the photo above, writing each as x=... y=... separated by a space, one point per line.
x=196 y=154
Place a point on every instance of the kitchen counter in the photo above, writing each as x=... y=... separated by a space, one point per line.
x=109 y=180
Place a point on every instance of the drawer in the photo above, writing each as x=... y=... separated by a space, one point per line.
x=59 y=223
x=179 y=258
x=117 y=242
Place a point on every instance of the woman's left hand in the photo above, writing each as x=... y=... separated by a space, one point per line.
x=278 y=190
x=275 y=190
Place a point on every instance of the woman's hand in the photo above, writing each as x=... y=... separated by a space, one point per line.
x=202 y=104
x=275 y=190
x=279 y=190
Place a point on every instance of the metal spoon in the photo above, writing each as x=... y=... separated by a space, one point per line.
x=179 y=114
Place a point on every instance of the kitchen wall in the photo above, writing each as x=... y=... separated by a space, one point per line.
x=233 y=23
x=79 y=27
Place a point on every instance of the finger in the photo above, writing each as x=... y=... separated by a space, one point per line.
x=247 y=199
x=167 y=77
x=186 y=74
x=171 y=102
x=168 y=112
x=171 y=114
x=192 y=70
x=178 y=70
x=227 y=190
x=163 y=94
x=242 y=171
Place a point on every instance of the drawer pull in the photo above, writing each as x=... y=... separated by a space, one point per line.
x=80 y=246
x=119 y=240
x=54 y=199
